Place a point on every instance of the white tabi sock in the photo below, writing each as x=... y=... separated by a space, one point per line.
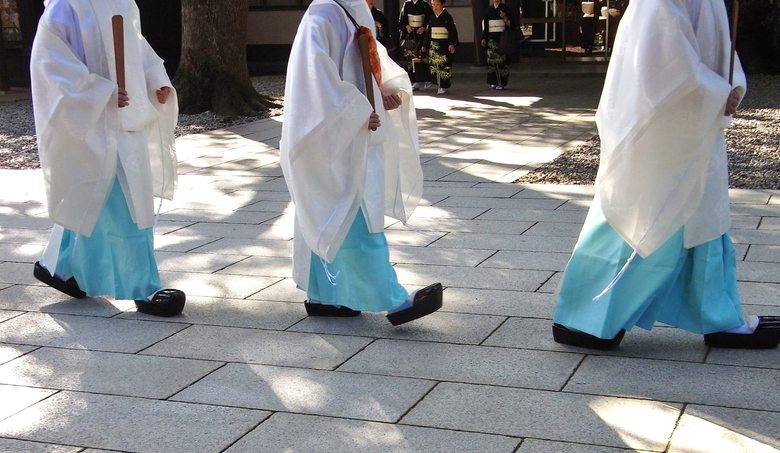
x=407 y=304
x=746 y=328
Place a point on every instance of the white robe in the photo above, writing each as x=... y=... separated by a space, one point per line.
x=332 y=163
x=660 y=118
x=78 y=122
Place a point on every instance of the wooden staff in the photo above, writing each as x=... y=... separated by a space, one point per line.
x=363 y=43
x=734 y=21
x=118 y=28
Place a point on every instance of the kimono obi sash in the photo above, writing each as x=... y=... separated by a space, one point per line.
x=496 y=26
x=439 y=33
x=416 y=20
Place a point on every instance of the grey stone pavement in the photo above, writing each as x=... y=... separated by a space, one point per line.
x=244 y=369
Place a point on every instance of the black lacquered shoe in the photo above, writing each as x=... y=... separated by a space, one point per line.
x=766 y=336
x=69 y=286
x=564 y=335
x=336 y=311
x=426 y=301
x=165 y=303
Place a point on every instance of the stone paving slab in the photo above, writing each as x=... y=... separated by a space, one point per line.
x=499 y=302
x=11 y=445
x=756 y=293
x=25 y=236
x=233 y=216
x=439 y=327
x=214 y=285
x=747 y=358
x=43 y=298
x=255 y=314
x=207 y=263
x=501 y=203
x=659 y=343
x=9 y=352
x=745 y=222
x=231 y=344
x=233 y=246
x=770 y=223
x=130 y=424
x=462 y=363
x=84 y=332
x=546 y=446
x=556 y=229
x=466 y=225
x=104 y=372
x=590 y=419
x=758 y=272
x=707 y=429
x=20 y=252
x=766 y=253
x=347 y=436
x=542 y=261
x=284 y=291
x=267 y=266
x=507 y=242
x=446 y=212
x=331 y=393
x=438 y=256
x=470 y=277
x=17 y=274
x=8 y=314
x=236 y=230
x=755 y=237
x=177 y=242
x=479 y=190
x=16 y=398
x=716 y=385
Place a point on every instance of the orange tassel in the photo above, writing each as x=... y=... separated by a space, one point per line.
x=373 y=55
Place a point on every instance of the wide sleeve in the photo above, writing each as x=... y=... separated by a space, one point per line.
x=75 y=117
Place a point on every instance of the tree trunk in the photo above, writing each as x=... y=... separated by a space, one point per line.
x=213 y=73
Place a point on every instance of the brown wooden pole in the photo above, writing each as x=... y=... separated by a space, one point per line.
x=734 y=22
x=363 y=43
x=117 y=25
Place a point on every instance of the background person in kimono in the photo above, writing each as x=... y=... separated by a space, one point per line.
x=382 y=26
x=655 y=245
x=413 y=23
x=496 y=18
x=441 y=42
x=105 y=152
x=347 y=166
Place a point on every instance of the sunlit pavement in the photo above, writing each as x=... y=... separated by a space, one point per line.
x=244 y=369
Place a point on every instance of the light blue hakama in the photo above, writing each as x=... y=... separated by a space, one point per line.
x=117 y=260
x=361 y=276
x=693 y=289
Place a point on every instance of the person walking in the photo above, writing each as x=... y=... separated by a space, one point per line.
x=106 y=151
x=413 y=22
x=441 y=42
x=655 y=245
x=347 y=164
x=496 y=18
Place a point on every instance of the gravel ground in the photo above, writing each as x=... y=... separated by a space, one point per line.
x=753 y=141
x=753 y=145
x=18 y=149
